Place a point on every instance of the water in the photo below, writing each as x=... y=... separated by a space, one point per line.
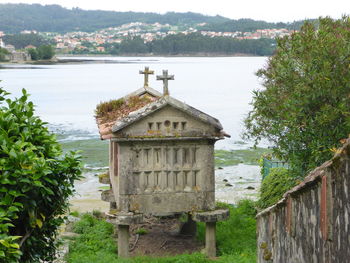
x=66 y=95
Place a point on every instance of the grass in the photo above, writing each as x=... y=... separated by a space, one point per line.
x=234 y=157
x=236 y=241
x=95 y=242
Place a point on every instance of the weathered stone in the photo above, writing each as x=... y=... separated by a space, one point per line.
x=311 y=223
x=104 y=178
x=210 y=239
x=123 y=218
x=162 y=162
x=211 y=216
x=107 y=196
x=123 y=241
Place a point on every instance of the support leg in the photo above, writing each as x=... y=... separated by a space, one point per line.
x=123 y=241
x=210 y=239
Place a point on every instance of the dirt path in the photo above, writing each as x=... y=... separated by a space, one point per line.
x=162 y=239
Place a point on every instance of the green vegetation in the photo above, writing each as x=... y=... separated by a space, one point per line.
x=248 y=25
x=234 y=157
x=94 y=152
x=237 y=234
x=20 y=41
x=274 y=186
x=95 y=242
x=142 y=231
x=194 y=44
x=3 y=53
x=236 y=241
x=114 y=109
x=54 y=18
x=36 y=181
x=42 y=53
x=304 y=109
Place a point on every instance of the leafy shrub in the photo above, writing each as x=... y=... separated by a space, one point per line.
x=279 y=181
x=36 y=181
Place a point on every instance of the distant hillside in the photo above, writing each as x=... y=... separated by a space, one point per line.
x=249 y=25
x=54 y=18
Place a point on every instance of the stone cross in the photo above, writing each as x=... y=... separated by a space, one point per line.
x=146 y=72
x=165 y=77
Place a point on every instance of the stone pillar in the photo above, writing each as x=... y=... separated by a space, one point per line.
x=123 y=241
x=124 y=220
x=210 y=239
x=210 y=218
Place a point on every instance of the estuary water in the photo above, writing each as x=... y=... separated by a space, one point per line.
x=66 y=95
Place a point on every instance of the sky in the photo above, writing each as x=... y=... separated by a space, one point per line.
x=268 y=10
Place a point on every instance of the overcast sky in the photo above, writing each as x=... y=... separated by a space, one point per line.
x=268 y=10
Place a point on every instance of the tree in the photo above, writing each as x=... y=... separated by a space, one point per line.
x=45 y=52
x=33 y=53
x=36 y=181
x=3 y=53
x=304 y=108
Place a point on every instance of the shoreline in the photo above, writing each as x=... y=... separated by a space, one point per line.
x=89 y=58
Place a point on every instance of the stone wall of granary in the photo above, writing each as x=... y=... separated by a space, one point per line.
x=311 y=223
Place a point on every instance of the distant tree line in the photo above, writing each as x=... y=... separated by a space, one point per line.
x=249 y=25
x=54 y=18
x=20 y=41
x=3 y=53
x=191 y=44
x=44 y=52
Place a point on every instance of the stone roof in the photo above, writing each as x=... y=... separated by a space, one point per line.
x=161 y=103
x=106 y=120
x=115 y=120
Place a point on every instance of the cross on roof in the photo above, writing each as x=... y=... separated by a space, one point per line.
x=146 y=72
x=165 y=77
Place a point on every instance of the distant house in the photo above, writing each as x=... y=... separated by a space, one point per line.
x=30 y=47
x=100 y=49
x=10 y=48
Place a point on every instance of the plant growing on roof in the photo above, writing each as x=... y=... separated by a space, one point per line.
x=36 y=181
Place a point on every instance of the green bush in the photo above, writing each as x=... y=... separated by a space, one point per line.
x=36 y=182
x=279 y=181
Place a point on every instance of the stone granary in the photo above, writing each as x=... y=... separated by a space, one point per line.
x=161 y=159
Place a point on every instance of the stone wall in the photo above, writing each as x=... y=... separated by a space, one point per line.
x=311 y=223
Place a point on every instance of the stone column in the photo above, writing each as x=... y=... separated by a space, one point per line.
x=123 y=241
x=124 y=220
x=210 y=239
x=210 y=218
